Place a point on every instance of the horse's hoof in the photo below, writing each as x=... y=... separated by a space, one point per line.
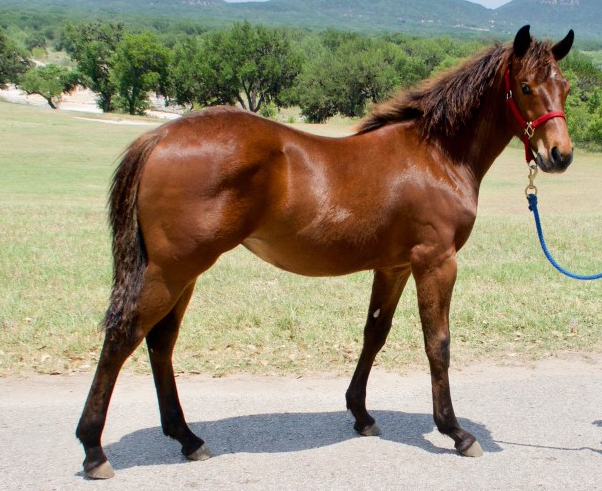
x=474 y=450
x=102 y=471
x=201 y=453
x=373 y=430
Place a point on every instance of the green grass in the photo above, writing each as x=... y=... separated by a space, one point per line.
x=246 y=315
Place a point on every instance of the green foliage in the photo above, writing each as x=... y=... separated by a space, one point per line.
x=39 y=53
x=434 y=53
x=50 y=81
x=584 y=103
x=588 y=75
x=268 y=110
x=248 y=64
x=350 y=71
x=92 y=46
x=446 y=63
x=140 y=65
x=346 y=71
x=35 y=40
x=192 y=80
x=13 y=61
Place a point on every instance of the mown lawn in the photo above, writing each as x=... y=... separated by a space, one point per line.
x=246 y=315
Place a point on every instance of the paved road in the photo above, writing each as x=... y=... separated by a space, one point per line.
x=540 y=428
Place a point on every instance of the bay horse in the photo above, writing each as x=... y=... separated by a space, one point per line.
x=398 y=197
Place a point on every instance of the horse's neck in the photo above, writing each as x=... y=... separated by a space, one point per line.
x=484 y=137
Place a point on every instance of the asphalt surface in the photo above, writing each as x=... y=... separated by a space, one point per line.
x=540 y=427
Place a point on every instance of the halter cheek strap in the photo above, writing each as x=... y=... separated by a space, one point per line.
x=528 y=126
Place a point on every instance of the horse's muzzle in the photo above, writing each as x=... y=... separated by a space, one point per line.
x=557 y=161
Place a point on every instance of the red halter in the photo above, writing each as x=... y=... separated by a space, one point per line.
x=529 y=126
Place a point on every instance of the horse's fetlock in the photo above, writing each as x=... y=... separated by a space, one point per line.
x=88 y=432
x=445 y=424
x=354 y=399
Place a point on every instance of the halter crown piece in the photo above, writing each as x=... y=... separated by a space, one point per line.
x=528 y=126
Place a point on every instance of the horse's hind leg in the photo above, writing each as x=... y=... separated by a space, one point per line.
x=435 y=280
x=161 y=341
x=157 y=298
x=386 y=291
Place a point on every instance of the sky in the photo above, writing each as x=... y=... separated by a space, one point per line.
x=487 y=3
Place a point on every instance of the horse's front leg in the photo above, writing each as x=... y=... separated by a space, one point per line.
x=435 y=275
x=386 y=290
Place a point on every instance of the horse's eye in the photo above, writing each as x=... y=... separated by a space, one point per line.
x=525 y=88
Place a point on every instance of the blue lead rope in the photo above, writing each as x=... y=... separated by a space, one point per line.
x=532 y=198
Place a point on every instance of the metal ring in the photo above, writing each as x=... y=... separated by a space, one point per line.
x=532 y=188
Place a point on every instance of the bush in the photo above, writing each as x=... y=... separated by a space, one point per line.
x=269 y=110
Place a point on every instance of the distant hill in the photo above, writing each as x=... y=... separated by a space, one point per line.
x=553 y=17
x=412 y=15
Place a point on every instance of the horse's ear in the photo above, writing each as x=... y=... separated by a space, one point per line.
x=562 y=48
x=522 y=41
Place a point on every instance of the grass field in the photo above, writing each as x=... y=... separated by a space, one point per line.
x=246 y=315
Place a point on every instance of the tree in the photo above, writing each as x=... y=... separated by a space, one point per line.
x=13 y=62
x=35 y=40
x=584 y=103
x=351 y=71
x=92 y=47
x=251 y=65
x=344 y=80
x=192 y=79
x=50 y=81
x=140 y=65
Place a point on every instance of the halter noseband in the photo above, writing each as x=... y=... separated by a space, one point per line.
x=528 y=126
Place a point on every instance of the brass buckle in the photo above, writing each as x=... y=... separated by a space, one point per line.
x=529 y=130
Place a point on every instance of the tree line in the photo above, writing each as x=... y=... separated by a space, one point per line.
x=263 y=69
x=253 y=65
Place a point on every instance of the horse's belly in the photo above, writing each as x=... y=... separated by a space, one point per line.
x=311 y=259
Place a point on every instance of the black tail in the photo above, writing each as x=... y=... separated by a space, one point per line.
x=129 y=252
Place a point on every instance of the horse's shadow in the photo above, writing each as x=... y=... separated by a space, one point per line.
x=281 y=433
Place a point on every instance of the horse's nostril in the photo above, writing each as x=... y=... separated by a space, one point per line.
x=560 y=160
x=556 y=155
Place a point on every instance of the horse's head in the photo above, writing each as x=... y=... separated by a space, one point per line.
x=540 y=90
